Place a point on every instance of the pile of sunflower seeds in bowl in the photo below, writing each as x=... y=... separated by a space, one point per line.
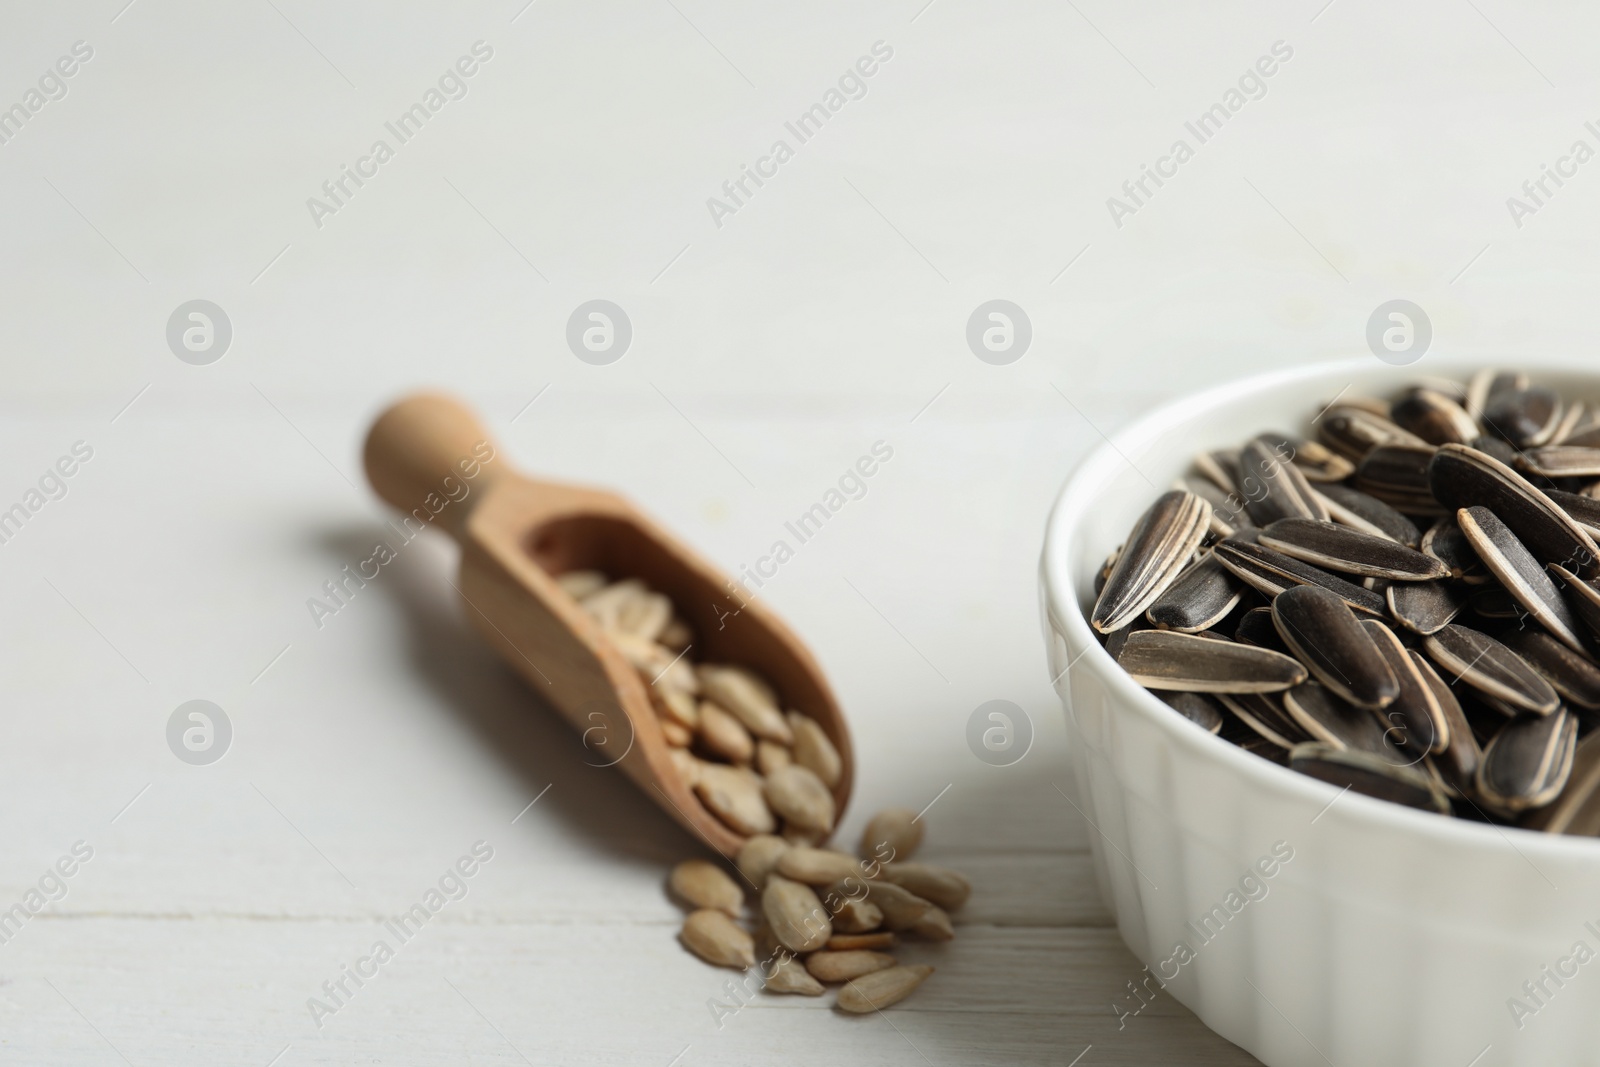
x=1406 y=604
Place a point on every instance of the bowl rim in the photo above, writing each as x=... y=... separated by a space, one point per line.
x=1083 y=486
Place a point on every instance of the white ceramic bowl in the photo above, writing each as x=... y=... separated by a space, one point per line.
x=1391 y=936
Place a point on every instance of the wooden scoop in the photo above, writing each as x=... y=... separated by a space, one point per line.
x=430 y=457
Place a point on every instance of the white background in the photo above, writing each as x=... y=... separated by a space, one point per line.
x=768 y=354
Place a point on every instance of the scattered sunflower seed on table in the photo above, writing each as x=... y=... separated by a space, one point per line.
x=1405 y=603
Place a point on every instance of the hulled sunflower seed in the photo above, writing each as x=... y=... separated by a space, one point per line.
x=759 y=857
x=770 y=756
x=831 y=966
x=942 y=886
x=706 y=885
x=1415 y=711
x=1196 y=707
x=1459 y=760
x=1561 y=461
x=1398 y=476
x=733 y=794
x=1326 y=718
x=789 y=975
x=715 y=938
x=1434 y=417
x=1491 y=668
x=1524 y=417
x=854 y=917
x=1200 y=598
x=1274 y=488
x=814 y=750
x=748 y=699
x=725 y=736
x=799 y=796
x=1156 y=552
x=1367 y=513
x=1573 y=675
x=1528 y=761
x=893 y=834
x=850 y=942
x=1163 y=659
x=581 y=584
x=1519 y=572
x=1264 y=714
x=1323 y=633
x=1463 y=477
x=876 y=991
x=1271 y=572
x=1426 y=607
x=797 y=918
x=1363 y=772
x=902 y=909
x=1340 y=548
x=818 y=866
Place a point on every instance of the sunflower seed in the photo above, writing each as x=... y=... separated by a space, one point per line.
x=1414 y=712
x=1163 y=659
x=1314 y=459
x=715 y=938
x=1491 y=382
x=798 y=795
x=1587 y=437
x=759 y=858
x=1574 y=676
x=893 y=834
x=1445 y=542
x=1363 y=772
x=733 y=794
x=814 y=750
x=1156 y=552
x=1434 y=417
x=1398 y=476
x=581 y=584
x=706 y=885
x=1264 y=714
x=1459 y=760
x=1585 y=510
x=818 y=866
x=748 y=698
x=797 y=917
x=1493 y=602
x=904 y=911
x=1339 y=548
x=1227 y=511
x=1519 y=573
x=1327 y=718
x=1367 y=514
x=1353 y=431
x=850 y=942
x=1561 y=461
x=789 y=975
x=723 y=735
x=878 y=990
x=854 y=917
x=1464 y=477
x=1220 y=468
x=1583 y=597
x=1199 y=599
x=1257 y=628
x=1271 y=572
x=1273 y=488
x=1426 y=607
x=830 y=966
x=1196 y=707
x=1323 y=633
x=1528 y=761
x=1577 y=809
x=1491 y=668
x=1524 y=417
x=944 y=887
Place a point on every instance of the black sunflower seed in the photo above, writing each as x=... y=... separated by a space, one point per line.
x=1561 y=461
x=1263 y=713
x=1588 y=437
x=1367 y=513
x=1156 y=552
x=1459 y=760
x=1434 y=417
x=1353 y=431
x=1495 y=448
x=1196 y=707
x=1463 y=477
x=1327 y=718
x=1271 y=572
x=1200 y=598
x=1163 y=659
x=1323 y=633
x=1585 y=510
x=1491 y=668
x=1220 y=468
x=1426 y=607
x=1528 y=761
x=1491 y=601
x=1315 y=460
x=1340 y=548
x=1577 y=810
x=1398 y=476
x=1257 y=628
x=1574 y=676
x=1415 y=712
x=1524 y=417
x=1491 y=382
x=1445 y=542
x=1363 y=772
x=1520 y=574
x=1583 y=597
x=1273 y=488
x=1227 y=511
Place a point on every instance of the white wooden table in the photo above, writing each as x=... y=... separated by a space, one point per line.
x=826 y=313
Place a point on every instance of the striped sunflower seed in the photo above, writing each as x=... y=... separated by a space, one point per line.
x=1340 y=548
x=1266 y=717
x=1525 y=417
x=1164 y=659
x=1156 y=552
x=1323 y=633
x=1220 y=468
x=1445 y=542
x=1521 y=575
x=1332 y=721
x=1353 y=431
x=1414 y=712
x=1426 y=607
x=1583 y=597
x=1367 y=513
x=1315 y=460
x=1196 y=707
x=1398 y=476
x=1491 y=668
x=1363 y=772
x=1528 y=761
x=1257 y=628
x=1574 y=676
x=1561 y=461
x=1227 y=511
x=1459 y=760
x=1274 y=488
x=1577 y=809
x=1492 y=382
x=1434 y=417
x=1585 y=510
x=1199 y=599
x=1493 y=602
x=1464 y=477
x=1270 y=572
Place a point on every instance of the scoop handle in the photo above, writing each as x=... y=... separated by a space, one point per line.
x=428 y=455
